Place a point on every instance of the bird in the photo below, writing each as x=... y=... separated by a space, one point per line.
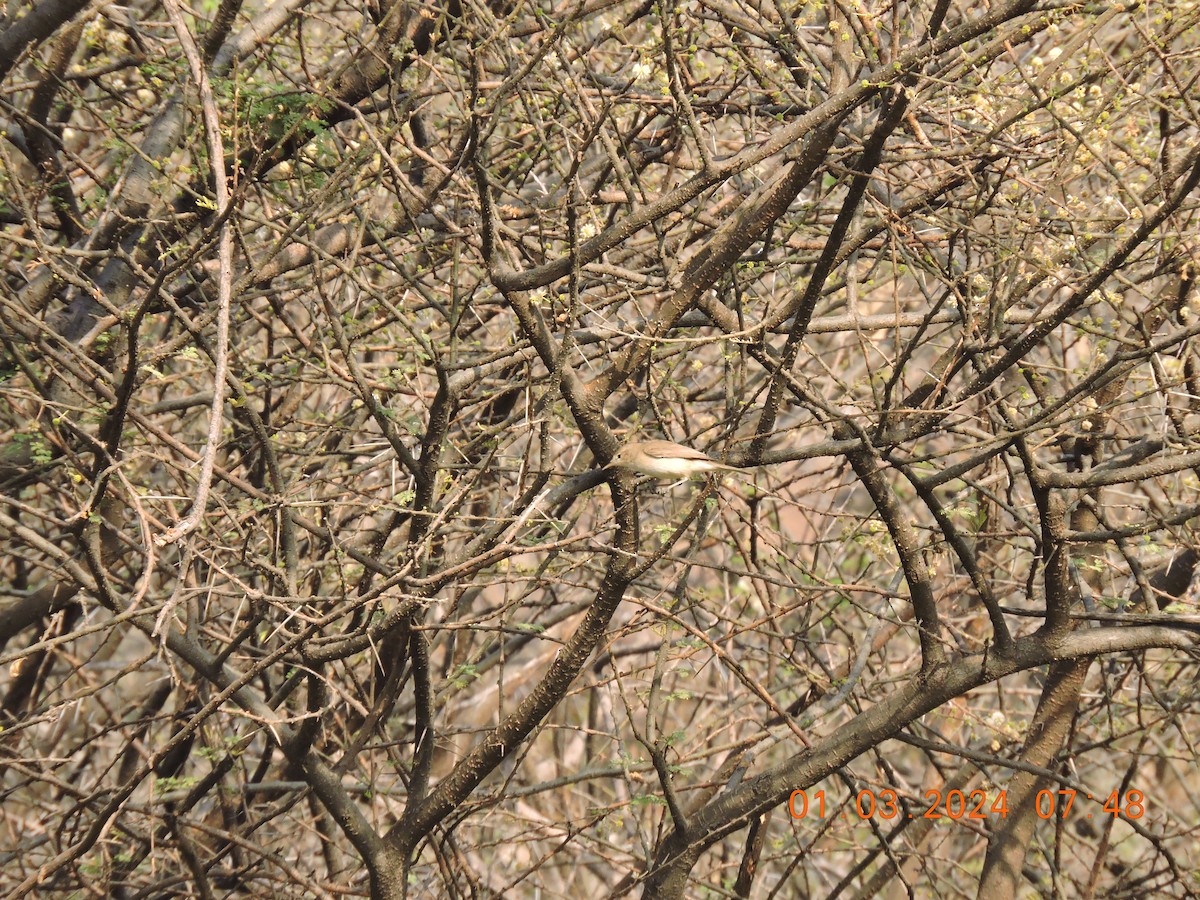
x=665 y=459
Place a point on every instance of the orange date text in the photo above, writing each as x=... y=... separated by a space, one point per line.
x=977 y=804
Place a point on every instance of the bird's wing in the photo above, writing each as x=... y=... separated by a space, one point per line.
x=667 y=450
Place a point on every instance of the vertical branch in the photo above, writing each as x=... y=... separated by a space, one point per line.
x=216 y=161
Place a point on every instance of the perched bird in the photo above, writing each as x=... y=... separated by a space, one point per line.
x=665 y=459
